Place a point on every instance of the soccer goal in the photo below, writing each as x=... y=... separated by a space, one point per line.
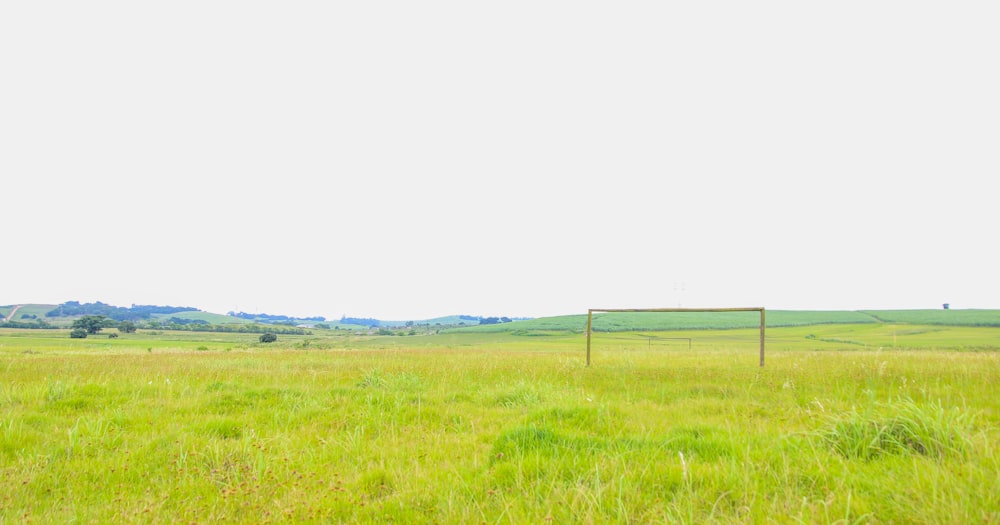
x=590 y=320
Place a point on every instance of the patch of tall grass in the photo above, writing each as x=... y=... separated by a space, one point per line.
x=902 y=426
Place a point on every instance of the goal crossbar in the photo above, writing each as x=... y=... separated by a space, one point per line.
x=590 y=319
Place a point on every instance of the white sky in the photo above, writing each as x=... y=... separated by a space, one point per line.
x=405 y=160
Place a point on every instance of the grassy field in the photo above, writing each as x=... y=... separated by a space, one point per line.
x=37 y=310
x=945 y=317
x=606 y=322
x=202 y=316
x=854 y=423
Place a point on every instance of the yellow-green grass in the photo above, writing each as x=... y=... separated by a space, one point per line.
x=459 y=428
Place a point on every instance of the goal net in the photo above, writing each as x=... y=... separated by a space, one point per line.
x=631 y=328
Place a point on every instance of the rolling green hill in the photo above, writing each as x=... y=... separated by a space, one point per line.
x=25 y=311
x=202 y=316
x=615 y=322
x=941 y=317
x=610 y=322
x=444 y=321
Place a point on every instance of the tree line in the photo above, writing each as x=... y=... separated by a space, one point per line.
x=119 y=313
x=35 y=324
x=94 y=324
x=269 y=318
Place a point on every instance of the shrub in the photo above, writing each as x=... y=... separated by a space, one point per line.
x=268 y=338
x=78 y=333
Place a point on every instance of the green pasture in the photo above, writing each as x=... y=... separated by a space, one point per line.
x=202 y=316
x=847 y=423
x=38 y=310
x=940 y=317
x=617 y=321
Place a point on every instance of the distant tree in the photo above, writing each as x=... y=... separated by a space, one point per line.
x=126 y=327
x=268 y=338
x=78 y=333
x=91 y=323
x=324 y=326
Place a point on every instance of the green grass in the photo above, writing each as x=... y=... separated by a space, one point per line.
x=499 y=428
x=609 y=322
x=940 y=317
x=38 y=310
x=902 y=427
x=628 y=321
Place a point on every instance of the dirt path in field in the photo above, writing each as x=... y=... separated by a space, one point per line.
x=12 y=312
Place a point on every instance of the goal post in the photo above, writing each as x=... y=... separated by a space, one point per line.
x=590 y=319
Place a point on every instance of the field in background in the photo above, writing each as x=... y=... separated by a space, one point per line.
x=602 y=322
x=25 y=311
x=606 y=322
x=864 y=422
x=202 y=316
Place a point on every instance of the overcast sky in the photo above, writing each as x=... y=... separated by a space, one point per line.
x=405 y=160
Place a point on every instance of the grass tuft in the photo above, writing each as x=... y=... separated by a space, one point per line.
x=373 y=378
x=907 y=428
x=224 y=428
x=519 y=395
x=514 y=443
x=376 y=483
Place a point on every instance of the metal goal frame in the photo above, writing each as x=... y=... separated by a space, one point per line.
x=590 y=319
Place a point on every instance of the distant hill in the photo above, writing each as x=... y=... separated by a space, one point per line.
x=60 y=314
x=118 y=313
x=970 y=317
x=206 y=317
x=63 y=315
x=729 y=320
x=25 y=312
x=444 y=321
x=450 y=320
x=47 y=315
x=276 y=318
